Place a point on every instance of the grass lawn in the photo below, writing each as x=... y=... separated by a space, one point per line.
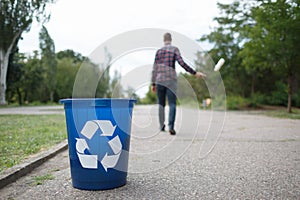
x=284 y=114
x=23 y=135
x=279 y=112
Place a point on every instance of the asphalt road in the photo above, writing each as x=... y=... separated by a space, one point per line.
x=245 y=156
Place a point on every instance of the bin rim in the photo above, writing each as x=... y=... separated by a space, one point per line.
x=71 y=100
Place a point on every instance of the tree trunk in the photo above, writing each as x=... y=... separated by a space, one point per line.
x=289 y=106
x=19 y=96
x=25 y=100
x=4 y=58
x=51 y=96
x=253 y=85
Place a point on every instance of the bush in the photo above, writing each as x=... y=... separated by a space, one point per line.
x=296 y=99
x=150 y=98
x=257 y=99
x=279 y=96
x=236 y=102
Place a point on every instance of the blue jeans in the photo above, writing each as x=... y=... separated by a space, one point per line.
x=168 y=90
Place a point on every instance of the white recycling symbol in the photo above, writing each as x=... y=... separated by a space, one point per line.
x=91 y=161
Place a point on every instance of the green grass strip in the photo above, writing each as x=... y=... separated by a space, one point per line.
x=24 y=135
x=39 y=180
x=284 y=114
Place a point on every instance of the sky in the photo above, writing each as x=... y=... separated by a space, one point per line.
x=82 y=25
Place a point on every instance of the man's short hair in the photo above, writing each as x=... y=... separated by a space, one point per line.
x=167 y=37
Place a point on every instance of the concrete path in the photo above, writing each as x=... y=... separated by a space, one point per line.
x=255 y=157
x=32 y=110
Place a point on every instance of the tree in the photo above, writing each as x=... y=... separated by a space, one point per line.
x=103 y=89
x=68 y=63
x=228 y=38
x=260 y=41
x=69 y=53
x=16 y=17
x=48 y=61
x=32 y=77
x=67 y=68
x=150 y=97
x=15 y=76
x=116 y=90
x=274 y=40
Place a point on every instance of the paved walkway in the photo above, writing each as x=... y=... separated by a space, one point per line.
x=256 y=157
x=32 y=110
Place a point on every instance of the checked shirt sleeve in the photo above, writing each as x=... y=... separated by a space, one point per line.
x=182 y=63
x=155 y=69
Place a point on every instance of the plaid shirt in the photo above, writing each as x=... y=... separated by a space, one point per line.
x=164 y=64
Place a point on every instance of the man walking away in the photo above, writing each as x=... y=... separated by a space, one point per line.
x=164 y=80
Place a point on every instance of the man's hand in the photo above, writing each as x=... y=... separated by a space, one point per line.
x=153 y=88
x=200 y=75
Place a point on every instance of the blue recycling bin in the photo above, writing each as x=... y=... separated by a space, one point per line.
x=99 y=139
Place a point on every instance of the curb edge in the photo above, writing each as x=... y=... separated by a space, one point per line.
x=12 y=174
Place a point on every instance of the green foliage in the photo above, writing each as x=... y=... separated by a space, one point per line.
x=150 y=98
x=32 y=80
x=48 y=62
x=74 y=56
x=191 y=88
x=29 y=78
x=37 y=77
x=14 y=75
x=104 y=82
x=116 y=89
x=279 y=96
x=68 y=64
x=296 y=98
x=257 y=99
x=65 y=77
x=131 y=94
x=236 y=103
x=15 y=18
x=260 y=41
x=93 y=79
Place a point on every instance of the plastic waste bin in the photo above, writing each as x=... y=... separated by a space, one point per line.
x=99 y=139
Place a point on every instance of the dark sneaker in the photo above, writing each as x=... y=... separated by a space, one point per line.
x=163 y=128
x=172 y=132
